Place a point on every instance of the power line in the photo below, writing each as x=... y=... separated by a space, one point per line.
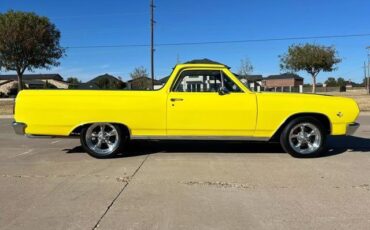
x=222 y=42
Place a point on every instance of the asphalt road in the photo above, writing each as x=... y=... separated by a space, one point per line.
x=52 y=184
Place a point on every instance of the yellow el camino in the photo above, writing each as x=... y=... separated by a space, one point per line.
x=198 y=102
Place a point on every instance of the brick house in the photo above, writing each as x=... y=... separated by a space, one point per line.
x=282 y=80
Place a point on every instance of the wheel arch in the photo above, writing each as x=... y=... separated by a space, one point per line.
x=76 y=131
x=319 y=116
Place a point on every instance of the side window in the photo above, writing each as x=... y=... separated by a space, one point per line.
x=230 y=85
x=204 y=81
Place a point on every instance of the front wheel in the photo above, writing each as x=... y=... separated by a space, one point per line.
x=102 y=140
x=304 y=137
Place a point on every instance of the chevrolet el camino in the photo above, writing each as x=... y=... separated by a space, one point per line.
x=198 y=102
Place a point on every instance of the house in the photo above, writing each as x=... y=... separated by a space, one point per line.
x=8 y=83
x=251 y=81
x=164 y=80
x=282 y=80
x=143 y=83
x=105 y=81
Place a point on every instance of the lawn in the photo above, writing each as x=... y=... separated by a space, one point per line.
x=360 y=97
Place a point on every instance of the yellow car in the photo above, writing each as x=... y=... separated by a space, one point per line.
x=198 y=102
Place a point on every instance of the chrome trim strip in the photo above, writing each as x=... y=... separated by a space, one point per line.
x=49 y=137
x=19 y=128
x=226 y=138
x=351 y=128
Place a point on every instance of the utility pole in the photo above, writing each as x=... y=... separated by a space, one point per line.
x=152 y=41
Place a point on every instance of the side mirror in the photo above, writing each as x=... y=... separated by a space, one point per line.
x=223 y=91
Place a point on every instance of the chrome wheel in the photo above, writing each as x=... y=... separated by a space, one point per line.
x=102 y=138
x=305 y=138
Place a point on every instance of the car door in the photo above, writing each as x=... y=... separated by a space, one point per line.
x=207 y=102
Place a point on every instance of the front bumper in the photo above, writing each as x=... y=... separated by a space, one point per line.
x=19 y=128
x=351 y=128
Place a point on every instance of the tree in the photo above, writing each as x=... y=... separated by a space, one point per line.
x=246 y=67
x=331 y=82
x=139 y=72
x=28 y=42
x=311 y=58
x=73 y=80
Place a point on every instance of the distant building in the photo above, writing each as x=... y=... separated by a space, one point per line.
x=143 y=83
x=105 y=81
x=282 y=80
x=251 y=81
x=9 y=83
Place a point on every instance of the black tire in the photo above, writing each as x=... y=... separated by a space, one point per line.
x=287 y=143
x=86 y=144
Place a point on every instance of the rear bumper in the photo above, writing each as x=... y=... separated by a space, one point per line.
x=351 y=128
x=19 y=128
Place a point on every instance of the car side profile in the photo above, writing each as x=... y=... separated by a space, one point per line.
x=198 y=102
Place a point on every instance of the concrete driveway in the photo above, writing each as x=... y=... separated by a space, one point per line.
x=52 y=184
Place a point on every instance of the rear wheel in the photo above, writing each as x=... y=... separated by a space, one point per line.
x=102 y=140
x=304 y=137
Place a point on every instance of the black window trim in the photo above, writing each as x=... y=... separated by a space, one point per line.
x=210 y=69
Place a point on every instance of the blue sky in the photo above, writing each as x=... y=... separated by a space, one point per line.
x=116 y=22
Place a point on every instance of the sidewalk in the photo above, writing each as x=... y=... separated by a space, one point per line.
x=365 y=113
x=6 y=116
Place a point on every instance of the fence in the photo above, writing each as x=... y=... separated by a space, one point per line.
x=307 y=89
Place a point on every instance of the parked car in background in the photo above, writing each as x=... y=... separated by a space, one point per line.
x=200 y=101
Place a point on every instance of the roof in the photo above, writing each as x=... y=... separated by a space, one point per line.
x=111 y=78
x=32 y=77
x=164 y=80
x=5 y=82
x=285 y=76
x=205 y=61
x=250 y=77
x=34 y=82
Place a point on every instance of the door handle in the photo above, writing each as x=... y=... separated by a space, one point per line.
x=176 y=99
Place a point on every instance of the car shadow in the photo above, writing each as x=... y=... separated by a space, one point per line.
x=336 y=145
x=340 y=144
x=143 y=147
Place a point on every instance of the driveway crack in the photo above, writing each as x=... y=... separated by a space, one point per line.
x=96 y=226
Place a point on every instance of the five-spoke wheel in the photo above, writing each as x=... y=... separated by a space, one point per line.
x=303 y=137
x=102 y=140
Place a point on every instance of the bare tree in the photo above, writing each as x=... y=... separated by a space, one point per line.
x=140 y=71
x=246 y=67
